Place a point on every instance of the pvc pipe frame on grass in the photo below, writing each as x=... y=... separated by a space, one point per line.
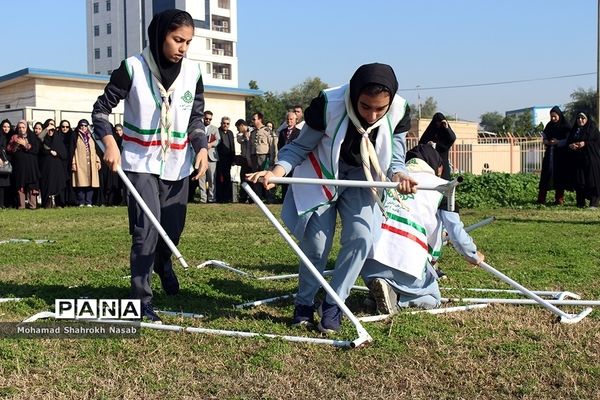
x=565 y=318
x=224 y=265
x=155 y=222
x=363 y=335
x=190 y=329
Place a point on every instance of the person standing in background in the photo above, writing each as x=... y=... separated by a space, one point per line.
x=213 y=138
x=441 y=135
x=24 y=147
x=584 y=160
x=553 y=175
x=85 y=165
x=226 y=152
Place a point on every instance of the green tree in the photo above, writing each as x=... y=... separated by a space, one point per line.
x=269 y=104
x=524 y=124
x=585 y=101
x=303 y=93
x=492 y=121
x=508 y=125
x=428 y=108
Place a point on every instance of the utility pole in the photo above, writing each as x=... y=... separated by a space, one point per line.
x=419 y=96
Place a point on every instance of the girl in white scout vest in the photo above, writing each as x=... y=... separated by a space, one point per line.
x=163 y=142
x=399 y=272
x=343 y=125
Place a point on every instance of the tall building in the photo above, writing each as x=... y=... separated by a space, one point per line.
x=117 y=29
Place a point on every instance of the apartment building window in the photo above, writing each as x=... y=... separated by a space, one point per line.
x=96 y=30
x=109 y=51
x=221 y=71
x=96 y=8
x=224 y=4
x=109 y=72
x=107 y=5
x=108 y=29
x=97 y=54
x=208 y=68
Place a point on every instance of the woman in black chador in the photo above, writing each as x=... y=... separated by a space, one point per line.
x=24 y=147
x=584 y=161
x=554 y=166
x=52 y=157
x=441 y=135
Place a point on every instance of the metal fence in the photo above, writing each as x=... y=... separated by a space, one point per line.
x=494 y=153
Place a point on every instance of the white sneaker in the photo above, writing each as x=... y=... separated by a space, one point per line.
x=385 y=296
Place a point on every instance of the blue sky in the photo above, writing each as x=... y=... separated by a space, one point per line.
x=430 y=43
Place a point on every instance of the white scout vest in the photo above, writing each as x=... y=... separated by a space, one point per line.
x=323 y=162
x=142 y=150
x=405 y=237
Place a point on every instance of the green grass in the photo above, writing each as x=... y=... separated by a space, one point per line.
x=498 y=352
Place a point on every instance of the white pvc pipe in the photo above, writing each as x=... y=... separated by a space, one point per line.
x=365 y=184
x=148 y=212
x=178 y=328
x=265 y=301
x=362 y=332
x=564 y=317
x=223 y=265
x=7 y=299
x=448 y=189
x=180 y=314
x=556 y=294
x=479 y=224
x=435 y=311
x=278 y=277
x=476 y=300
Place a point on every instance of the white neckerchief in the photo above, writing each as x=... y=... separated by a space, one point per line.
x=367 y=151
x=166 y=123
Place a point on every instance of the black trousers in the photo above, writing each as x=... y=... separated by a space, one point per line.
x=168 y=202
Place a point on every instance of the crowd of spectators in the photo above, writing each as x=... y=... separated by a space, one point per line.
x=61 y=165
x=55 y=166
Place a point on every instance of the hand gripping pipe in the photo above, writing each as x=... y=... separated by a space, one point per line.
x=363 y=335
x=148 y=212
x=447 y=189
x=564 y=317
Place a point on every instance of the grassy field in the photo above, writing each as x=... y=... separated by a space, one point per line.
x=498 y=352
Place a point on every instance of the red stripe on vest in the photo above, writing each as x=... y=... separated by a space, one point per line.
x=175 y=146
x=405 y=234
x=317 y=168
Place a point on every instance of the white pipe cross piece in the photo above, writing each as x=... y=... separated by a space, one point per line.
x=557 y=295
x=565 y=318
x=447 y=189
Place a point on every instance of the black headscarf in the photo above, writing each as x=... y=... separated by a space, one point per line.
x=427 y=153
x=375 y=73
x=557 y=130
x=158 y=29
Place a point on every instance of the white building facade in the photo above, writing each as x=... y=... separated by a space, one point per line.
x=117 y=29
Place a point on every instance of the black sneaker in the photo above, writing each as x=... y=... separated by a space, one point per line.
x=168 y=279
x=149 y=315
x=441 y=274
x=331 y=318
x=304 y=316
x=386 y=298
